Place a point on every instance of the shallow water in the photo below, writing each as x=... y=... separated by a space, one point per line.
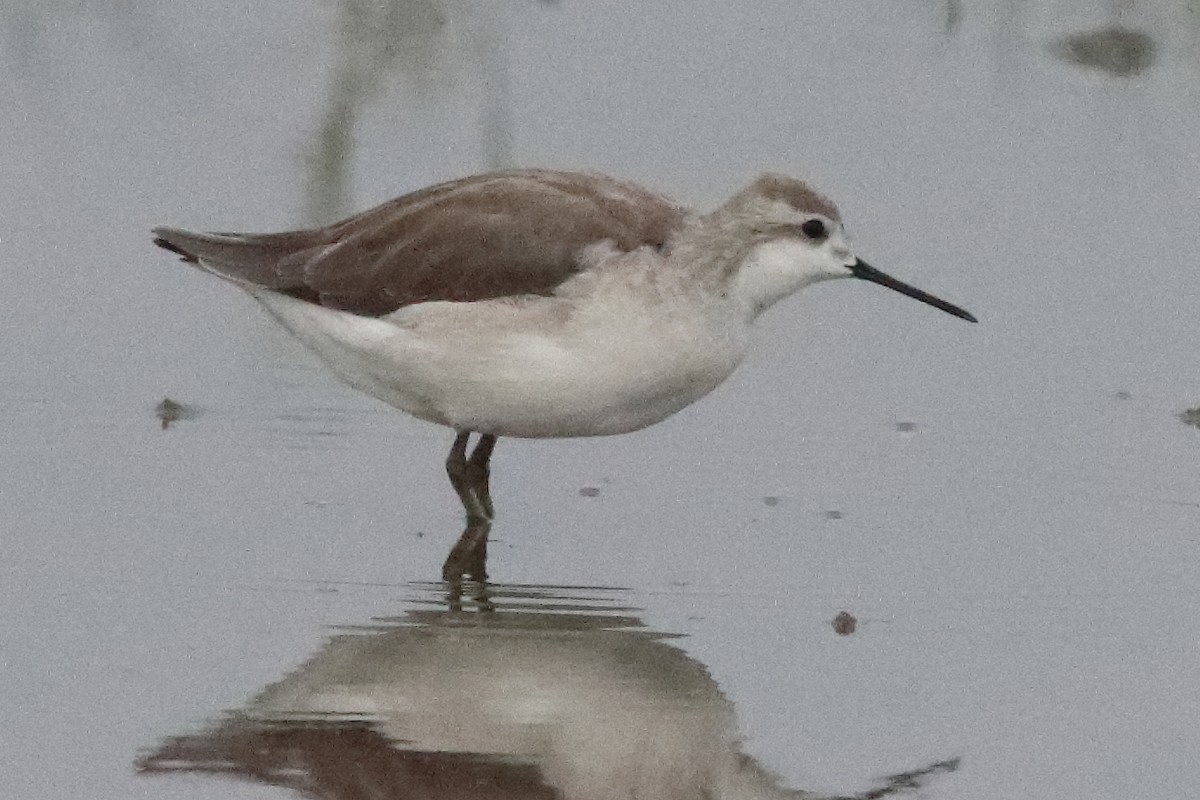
x=501 y=691
x=1009 y=511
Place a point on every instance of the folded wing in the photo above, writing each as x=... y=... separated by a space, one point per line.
x=493 y=235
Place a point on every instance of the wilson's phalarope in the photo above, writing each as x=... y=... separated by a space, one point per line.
x=537 y=303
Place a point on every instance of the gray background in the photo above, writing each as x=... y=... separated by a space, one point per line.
x=1024 y=561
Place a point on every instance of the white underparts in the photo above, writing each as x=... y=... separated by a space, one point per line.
x=610 y=362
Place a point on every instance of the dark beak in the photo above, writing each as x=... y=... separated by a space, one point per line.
x=862 y=269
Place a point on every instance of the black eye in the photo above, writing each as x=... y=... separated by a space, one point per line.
x=814 y=229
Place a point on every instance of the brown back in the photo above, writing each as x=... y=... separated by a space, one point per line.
x=491 y=235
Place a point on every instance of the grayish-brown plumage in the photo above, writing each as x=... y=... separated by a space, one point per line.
x=494 y=235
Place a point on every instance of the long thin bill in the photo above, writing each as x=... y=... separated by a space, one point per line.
x=862 y=269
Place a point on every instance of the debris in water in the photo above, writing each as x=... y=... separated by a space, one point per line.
x=844 y=623
x=1116 y=50
x=170 y=411
x=1191 y=417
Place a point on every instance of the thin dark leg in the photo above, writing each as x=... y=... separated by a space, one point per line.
x=470 y=479
x=468 y=557
x=481 y=458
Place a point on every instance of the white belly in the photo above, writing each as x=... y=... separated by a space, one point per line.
x=541 y=368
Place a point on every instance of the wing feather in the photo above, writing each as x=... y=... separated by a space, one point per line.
x=492 y=235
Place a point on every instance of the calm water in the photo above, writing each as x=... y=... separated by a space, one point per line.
x=1010 y=512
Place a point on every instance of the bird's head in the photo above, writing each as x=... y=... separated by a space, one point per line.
x=793 y=237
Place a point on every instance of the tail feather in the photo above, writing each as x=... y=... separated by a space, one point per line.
x=272 y=261
x=185 y=256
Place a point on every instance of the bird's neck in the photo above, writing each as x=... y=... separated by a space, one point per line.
x=709 y=249
x=726 y=258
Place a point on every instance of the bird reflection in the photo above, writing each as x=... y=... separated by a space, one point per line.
x=510 y=693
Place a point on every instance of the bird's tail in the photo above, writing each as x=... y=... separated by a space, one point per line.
x=271 y=261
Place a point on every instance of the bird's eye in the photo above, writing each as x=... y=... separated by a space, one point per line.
x=814 y=229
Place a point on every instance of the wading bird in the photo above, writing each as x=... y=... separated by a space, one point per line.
x=537 y=303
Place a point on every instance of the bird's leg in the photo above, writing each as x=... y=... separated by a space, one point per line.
x=468 y=557
x=469 y=477
x=480 y=463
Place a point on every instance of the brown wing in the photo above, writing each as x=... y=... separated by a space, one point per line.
x=492 y=235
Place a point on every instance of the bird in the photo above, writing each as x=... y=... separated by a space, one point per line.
x=538 y=303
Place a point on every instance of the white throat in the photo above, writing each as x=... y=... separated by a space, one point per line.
x=775 y=269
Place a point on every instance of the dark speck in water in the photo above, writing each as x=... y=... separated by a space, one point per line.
x=589 y=491
x=833 y=513
x=1191 y=417
x=770 y=500
x=844 y=623
x=169 y=411
x=1116 y=50
x=906 y=427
